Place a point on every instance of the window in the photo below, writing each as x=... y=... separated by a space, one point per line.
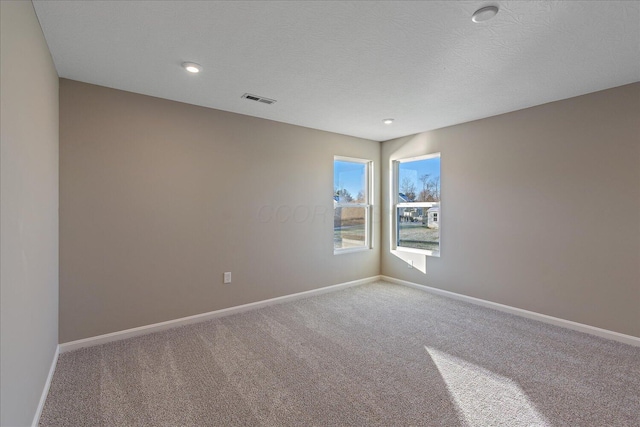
x=416 y=201
x=351 y=204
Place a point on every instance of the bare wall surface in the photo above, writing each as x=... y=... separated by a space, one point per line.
x=158 y=199
x=29 y=213
x=540 y=209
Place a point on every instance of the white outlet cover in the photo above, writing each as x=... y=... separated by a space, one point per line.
x=227 y=277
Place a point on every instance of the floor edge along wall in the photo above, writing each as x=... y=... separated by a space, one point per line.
x=170 y=324
x=568 y=324
x=47 y=384
x=148 y=329
x=156 y=327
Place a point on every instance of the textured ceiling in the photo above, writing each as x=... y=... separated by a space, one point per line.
x=345 y=66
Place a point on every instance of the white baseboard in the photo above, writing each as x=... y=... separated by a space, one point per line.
x=156 y=327
x=45 y=390
x=603 y=333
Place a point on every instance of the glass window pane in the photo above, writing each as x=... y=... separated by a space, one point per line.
x=418 y=228
x=349 y=227
x=349 y=182
x=419 y=181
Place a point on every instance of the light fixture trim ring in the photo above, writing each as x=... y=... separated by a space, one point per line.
x=192 y=67
x=484 y=14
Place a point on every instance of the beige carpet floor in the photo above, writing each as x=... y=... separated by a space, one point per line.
x=373 y=355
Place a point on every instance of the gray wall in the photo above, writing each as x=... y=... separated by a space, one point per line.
x=540 y=209
x=159 y=198
x=29 y=212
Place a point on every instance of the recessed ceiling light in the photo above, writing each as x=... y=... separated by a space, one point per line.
x=484 y=14
x=387 y=121
x=192 y=67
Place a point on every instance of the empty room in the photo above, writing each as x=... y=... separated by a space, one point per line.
x=320 y=213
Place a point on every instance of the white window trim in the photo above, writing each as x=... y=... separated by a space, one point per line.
x=395 y=190
x=368 y=238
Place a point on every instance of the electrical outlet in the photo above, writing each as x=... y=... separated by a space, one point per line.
x=410 y=263
x=227 y=277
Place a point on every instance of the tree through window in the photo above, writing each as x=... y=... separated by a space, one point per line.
x=351 y=204
x=417 y=204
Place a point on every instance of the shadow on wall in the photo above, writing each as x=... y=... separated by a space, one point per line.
x=413 y=260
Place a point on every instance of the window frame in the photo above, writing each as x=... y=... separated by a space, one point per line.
x=396 y=205
x=368 y=205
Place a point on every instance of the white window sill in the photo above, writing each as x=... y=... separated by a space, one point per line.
x=417 y=251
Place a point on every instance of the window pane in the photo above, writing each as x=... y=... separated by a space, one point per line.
x=419 y=181
x=418 y=228
x=349 y=182
x=418 y=225
x=349 y=227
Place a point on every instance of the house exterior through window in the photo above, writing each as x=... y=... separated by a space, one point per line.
x=416 y=200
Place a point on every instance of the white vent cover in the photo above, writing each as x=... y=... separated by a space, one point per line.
x=258 y=98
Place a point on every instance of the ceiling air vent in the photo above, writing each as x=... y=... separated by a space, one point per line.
x=258 y=98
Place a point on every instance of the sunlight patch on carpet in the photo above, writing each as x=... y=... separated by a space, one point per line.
x=483 y=397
